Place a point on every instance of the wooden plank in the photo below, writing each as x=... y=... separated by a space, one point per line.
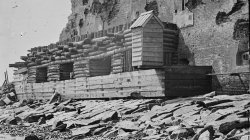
x=137 y=33
x=148 y=49
x=149 y=63
x=136 y=63
x=137 y=44
x=189 y=69
x=152 y=35
x=152 y=58
x=176 y=32
x=182 y=76
x=153 y=26
x=151 y=40
x=170 y=36
x=137 y=40
x=152 y=30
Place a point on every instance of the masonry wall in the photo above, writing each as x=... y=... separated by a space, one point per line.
x=216 y=33
x=214 y=42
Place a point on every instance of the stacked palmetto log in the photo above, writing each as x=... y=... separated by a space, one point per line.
x=81 y=69
x=31 y=75
x=90 y=57
x=53 y=73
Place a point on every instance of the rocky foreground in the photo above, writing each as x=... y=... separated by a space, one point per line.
x=205 y=117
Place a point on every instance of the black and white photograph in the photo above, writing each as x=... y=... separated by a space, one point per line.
x=124 y=70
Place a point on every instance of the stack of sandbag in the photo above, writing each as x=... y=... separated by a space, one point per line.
x=117 y=63
x=53 y=73
x=32 y=75
x=127 y=38
x=81 y=69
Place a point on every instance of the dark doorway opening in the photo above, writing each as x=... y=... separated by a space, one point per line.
x=65 y=71
x=41 y=75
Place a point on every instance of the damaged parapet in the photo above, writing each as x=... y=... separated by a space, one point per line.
x=148 y=43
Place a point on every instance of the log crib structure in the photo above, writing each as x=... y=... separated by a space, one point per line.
x=139 y=57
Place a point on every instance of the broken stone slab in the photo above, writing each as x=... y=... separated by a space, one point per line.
x=106 y=116
x=231 y=133
x=172 y=128
x=82 y=122
x=100 y=130
x=56 y=97
x=80 y=131
x=150 y=132
x=7 y=101
x=161 y=117
x=2 y=103
x=216 y=102
x=49 y=116
x=42 y=120
x=31 y=137
x=205 y=134
x=128 y=126
x=210 y=95
x=171 y=121
x=123 y=134
x=147 y=116
x=185 y=109
x=56 y=123
x=182 y=133
x=68 y=108
x=246 y=137
x=232 y=97
x=211 y=117
x=129 y=110
x=228 y=126
x=33 y=118
x=111 y=134
x=59 y=126
x=11 y=120
x=113 y=115
x=222 y=106
x=194 y=121
x=239 y=136
x=19 y=110
x=159 y=136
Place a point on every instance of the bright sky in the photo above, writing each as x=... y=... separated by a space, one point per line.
x=28 y=23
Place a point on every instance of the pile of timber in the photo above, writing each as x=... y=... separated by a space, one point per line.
x=115 y=48
x=81 y=69
x=117 y=63
x=32 y=75
x=53 y=73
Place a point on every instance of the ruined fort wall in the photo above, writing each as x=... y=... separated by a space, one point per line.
x=217 y=35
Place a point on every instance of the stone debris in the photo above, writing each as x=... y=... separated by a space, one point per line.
x=204 y=117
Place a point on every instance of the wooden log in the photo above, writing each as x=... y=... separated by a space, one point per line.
x=234 y=124
x=24 y=58
x=207 y=128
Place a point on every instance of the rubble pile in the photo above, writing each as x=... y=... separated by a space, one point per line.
x=206 y=117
